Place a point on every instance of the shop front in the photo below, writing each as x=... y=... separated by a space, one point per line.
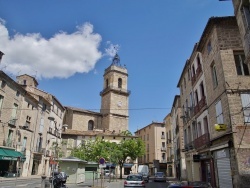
x=223 y=166
x=128 y=168
x=11 y=162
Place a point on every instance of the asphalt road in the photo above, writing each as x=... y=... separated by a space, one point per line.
x=36 y=183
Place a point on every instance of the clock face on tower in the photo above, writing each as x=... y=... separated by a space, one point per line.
x=119 y=103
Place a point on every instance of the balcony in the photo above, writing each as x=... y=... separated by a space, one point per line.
x=189 y=146
x=39 y=150
x=115 y=89
x=163 y=137
x=47 y=153
x=163 y=149
x=12 y=122
x=200 y=105
x=202 y=141
x=163 y=161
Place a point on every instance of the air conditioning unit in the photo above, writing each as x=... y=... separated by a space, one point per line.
x=220 y=127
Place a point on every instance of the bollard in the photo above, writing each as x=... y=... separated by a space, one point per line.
x=43 y=181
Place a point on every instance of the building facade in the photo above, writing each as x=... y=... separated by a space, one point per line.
x=154 y=137
x=169 y=149
x=24 y=118
x=214 y=98
x=178 y=139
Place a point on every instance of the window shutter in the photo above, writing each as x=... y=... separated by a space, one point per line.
x=245 y=99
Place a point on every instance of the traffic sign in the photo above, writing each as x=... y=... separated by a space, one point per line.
x=102 y=160
x=102 y=166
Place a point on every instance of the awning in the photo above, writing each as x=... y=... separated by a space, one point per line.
x=112 y=165
x=128 y=165
x=11 y=155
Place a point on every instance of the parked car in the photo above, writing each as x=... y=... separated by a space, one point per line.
x=194 y=184
x=134 y=180
x=160 y=176
x=108 y=173
x=144 y=171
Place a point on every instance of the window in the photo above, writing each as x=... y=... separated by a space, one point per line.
x=196 y=97
x=205 y=123
x=185 y=137
x=189 y=135
x=199 y=131
x=241 y=66
x=181 y=90
x=198 y=60
x=90 y=125
x=24 y=144
x=246 y=17
x=41 y=125
x=107 y=83
x=214 y=75
x=219 y=113
x=194 y=130
x=14 y=111
x=163 y=144
x=9 y=139
x=1 y=101
x=24 y=82
x=245 y=99
x=17 y=93
x=209 y=47
x=44 y=107
x=191 y=99
x=185 y=84
x=3 y=84
x=202 y=90
x=189 y=73
x=119 y=83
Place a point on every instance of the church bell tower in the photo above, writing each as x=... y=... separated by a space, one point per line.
x=115 y=95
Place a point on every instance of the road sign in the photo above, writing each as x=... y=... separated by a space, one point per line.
x=102 y=160
x=102 y=166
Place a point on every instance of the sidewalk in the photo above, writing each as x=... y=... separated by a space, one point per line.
x=20 y=178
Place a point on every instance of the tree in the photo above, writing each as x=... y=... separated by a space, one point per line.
x=132 y=148
x=112 y=152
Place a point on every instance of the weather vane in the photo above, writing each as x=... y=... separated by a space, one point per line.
x=116 y=59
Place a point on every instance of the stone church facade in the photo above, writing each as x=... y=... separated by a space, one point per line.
x=113 y=115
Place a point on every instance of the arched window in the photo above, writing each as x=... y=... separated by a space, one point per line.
x=107 y=83
x=91 y=125
x=119 y=83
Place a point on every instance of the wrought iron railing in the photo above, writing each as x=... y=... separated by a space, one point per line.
x=201 y=141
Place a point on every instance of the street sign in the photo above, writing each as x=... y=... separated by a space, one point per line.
x=102 y=161
x=102 y=166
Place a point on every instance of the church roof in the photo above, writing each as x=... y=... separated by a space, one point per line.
x=81 y=110
x=96 y=132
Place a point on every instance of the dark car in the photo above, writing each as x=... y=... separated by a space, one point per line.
x=194 y=184
x=160 y=176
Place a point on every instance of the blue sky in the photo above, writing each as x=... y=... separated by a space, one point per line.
x=67 y=44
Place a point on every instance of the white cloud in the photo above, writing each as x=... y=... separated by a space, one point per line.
x=112 y=49
x=60 y=56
